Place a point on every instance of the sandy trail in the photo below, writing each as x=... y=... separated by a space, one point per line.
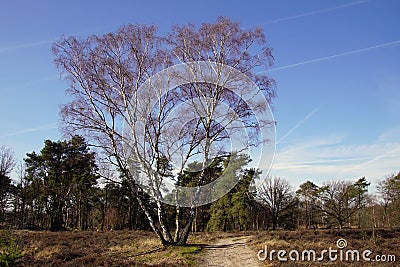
x=231 y=251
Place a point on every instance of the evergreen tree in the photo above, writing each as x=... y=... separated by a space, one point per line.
x=233 y=210
x=308 y=195
x=67 y=171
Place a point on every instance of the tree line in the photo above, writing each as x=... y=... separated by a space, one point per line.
x=62 y=188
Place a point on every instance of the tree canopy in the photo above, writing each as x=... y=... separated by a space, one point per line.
x=66 y=170
x=119 y=83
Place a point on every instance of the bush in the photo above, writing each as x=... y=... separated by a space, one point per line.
x=10 y=252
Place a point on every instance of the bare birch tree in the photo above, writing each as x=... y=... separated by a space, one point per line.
x=145 y=112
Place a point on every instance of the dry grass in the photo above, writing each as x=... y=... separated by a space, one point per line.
x=113 y=248
x=138 y=248
x=385 y=242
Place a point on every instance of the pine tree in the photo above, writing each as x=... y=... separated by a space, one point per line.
x=67 y=171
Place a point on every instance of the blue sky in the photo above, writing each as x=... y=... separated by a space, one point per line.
x=337 y=68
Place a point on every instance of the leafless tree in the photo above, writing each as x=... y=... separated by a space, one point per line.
x=389 y=191
x=340 y=200
x=277 y=198
x=7 y=163
x=129 y=114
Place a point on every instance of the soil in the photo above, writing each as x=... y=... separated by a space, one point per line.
x=232 y=251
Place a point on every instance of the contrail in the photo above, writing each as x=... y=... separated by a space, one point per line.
x=316 y=162
x=333 y=56
x=27 y=45
x=370 y=160
x=30 y=130
x=319 y=11
x=29 y=84
x=388 y=154
x=41 y=42
x=298 y=124
x=324 y=10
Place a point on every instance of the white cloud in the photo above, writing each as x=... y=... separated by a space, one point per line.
x=390 y=136
x=321 y=159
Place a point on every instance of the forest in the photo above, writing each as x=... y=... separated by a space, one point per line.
x=62 y=187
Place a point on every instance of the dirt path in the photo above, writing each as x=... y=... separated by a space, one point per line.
x=231 y=251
